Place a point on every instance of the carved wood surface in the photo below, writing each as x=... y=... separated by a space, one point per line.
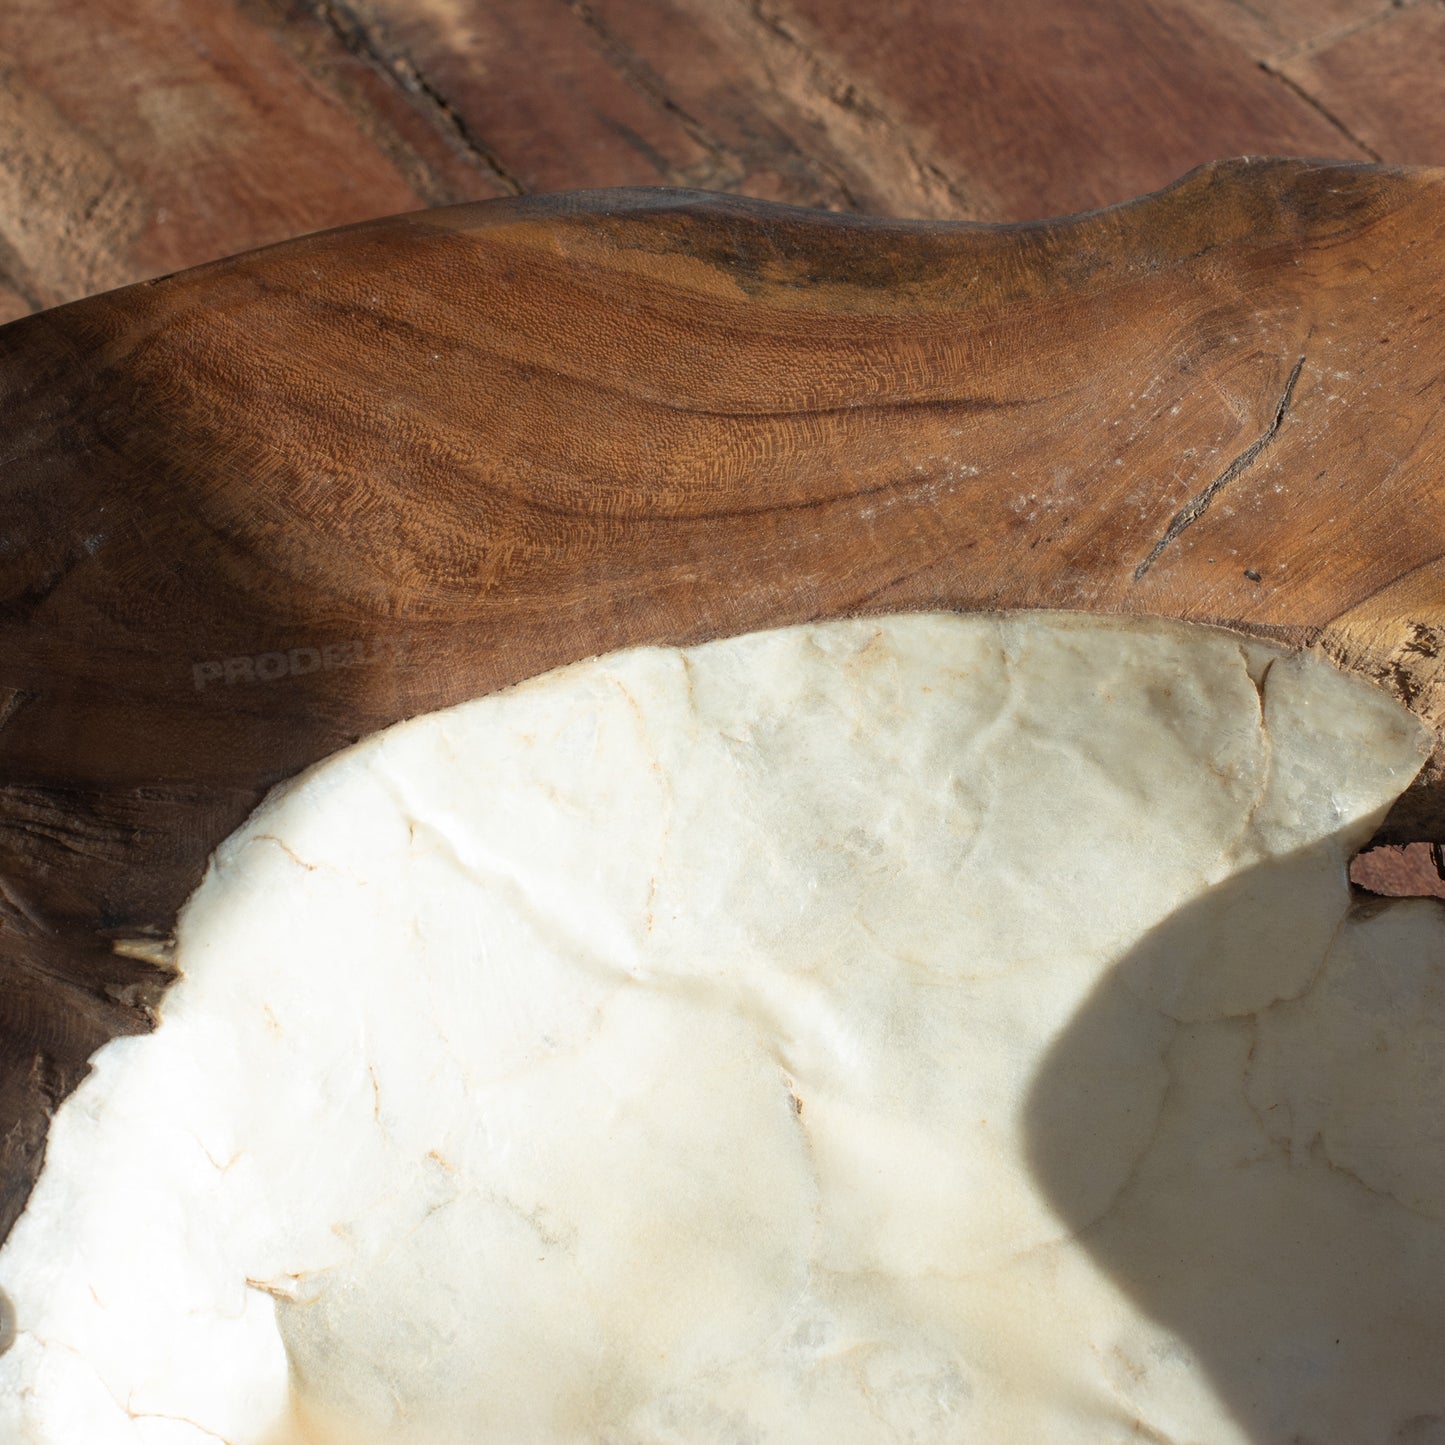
x=256 y=510
x=141 y=136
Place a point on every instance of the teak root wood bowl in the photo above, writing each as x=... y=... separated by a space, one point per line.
x=253 y=511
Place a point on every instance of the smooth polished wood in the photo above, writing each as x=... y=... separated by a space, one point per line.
x=252 y=512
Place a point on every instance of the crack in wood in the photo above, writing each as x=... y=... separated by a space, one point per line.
x=640 y=76
x=1196 y=507
x=362 y=41
x=733 y=163
x=403 y=127
x=835 y=89
x=1318 y=41
x=1319 y=107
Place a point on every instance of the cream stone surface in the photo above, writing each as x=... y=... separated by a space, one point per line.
x=927 y=1028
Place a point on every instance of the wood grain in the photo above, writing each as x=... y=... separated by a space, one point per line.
x=1054 y=107
x=12 y=302
x=137 y=138
x=916 y=108
x=1374 y=80
x=1273 y=29
x=404 y=124
x=1407 y=870
x=252 y=512
x=569 y=118
x=141 y=136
